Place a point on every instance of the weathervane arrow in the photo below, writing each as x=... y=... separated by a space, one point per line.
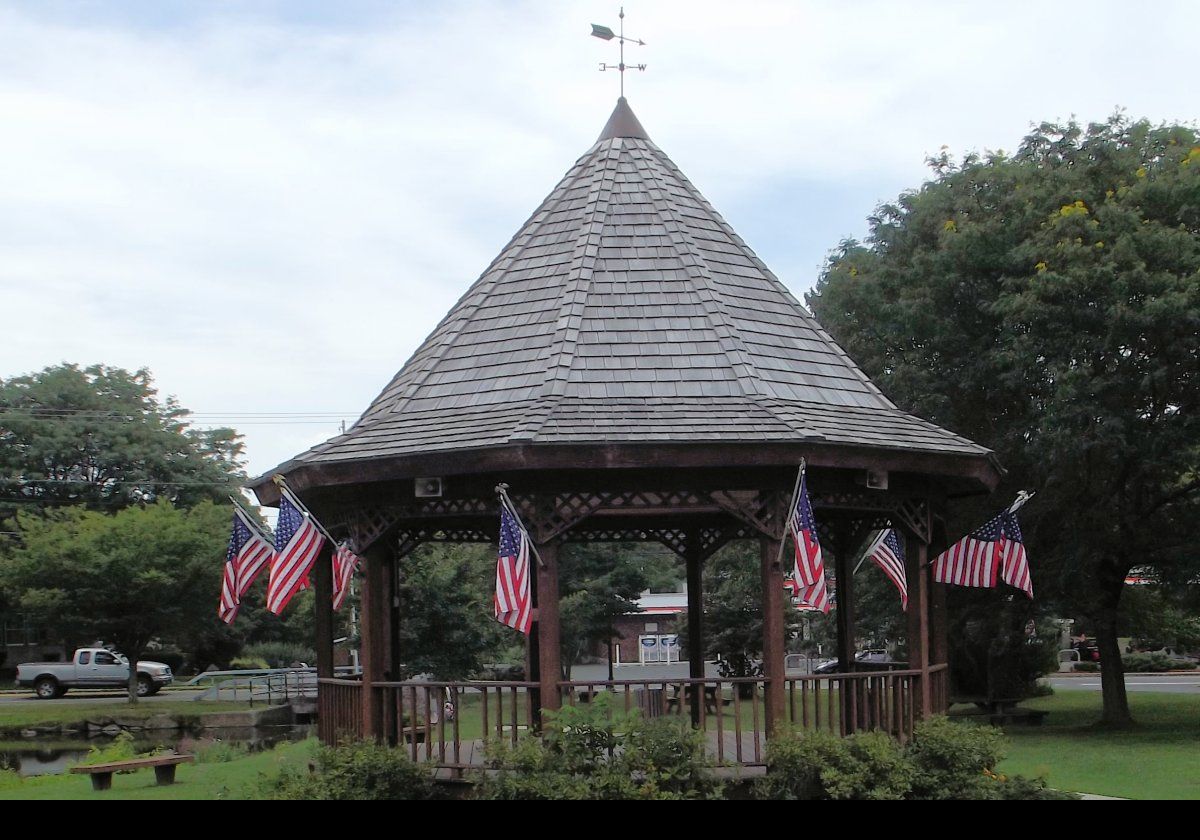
x=605 y=33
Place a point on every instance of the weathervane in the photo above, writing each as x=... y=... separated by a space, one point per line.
x=606 y=34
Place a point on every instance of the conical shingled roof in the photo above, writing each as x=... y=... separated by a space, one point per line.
x=626 y=310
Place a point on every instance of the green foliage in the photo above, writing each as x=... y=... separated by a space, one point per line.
x=1086 y=667
x=100 y=437
x=356 y=771
x=219 y=752
x=1162 y=616
x=733 y=612
x=954 y=760
x=992 y=655
x=279 y=654
x=121 y=748
x=173 y=657
x=1046 y=304
x=945 y=760
x=597 y=585
x=593 y=751
x=445 y=595
x=248 y=663
x=1154 y=663
x=818 y=765
x=128 y=577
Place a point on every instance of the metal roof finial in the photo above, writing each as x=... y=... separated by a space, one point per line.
x=606 y=34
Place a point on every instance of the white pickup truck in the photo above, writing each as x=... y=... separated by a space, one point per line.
x=91 y=668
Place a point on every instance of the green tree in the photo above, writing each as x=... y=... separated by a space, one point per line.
x=733 y=614
x=1047 y=305
x=446 y=610
x=100 y=437
x=599 y=583
x=129 y=578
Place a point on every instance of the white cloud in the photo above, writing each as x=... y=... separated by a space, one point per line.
x=271 y=214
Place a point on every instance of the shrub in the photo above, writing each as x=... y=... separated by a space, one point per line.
x=594 y=752
x=171 y=657
x=818 y=765
x=361 y=770
x=1087 y=667
x=1021 y=788
x=119 y=749
x=219 y=752
x=245 y=663
x=1149 y=663
x=279 y=654
x=951 y=760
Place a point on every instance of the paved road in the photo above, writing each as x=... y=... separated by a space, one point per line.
x=1165 y=683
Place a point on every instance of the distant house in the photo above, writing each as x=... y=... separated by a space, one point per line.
x=651 y=634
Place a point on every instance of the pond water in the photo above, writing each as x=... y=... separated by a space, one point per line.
x=56 y=754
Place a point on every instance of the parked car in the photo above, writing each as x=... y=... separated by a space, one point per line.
x=872 y=656
x=91 y=668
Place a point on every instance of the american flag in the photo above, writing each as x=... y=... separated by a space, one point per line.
x=345 y=562
x=887 y=553
x=808 y=577
x=1014 y=565
x=297 y=544
x=975 y=559
x=246 y=556
x=513 y=598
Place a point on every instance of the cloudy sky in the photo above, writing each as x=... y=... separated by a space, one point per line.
x=270 y=204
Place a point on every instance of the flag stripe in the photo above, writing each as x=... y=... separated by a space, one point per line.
x=808 y=573
x=994 y=551
x=513 y=601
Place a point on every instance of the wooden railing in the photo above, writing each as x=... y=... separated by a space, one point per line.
x=887 y=701
x=939 y=681
x=449 y=723
x=339 y=710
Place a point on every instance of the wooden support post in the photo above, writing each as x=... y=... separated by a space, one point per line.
x=395 y=670
x=916 y=556
x=322 y=581
x=847 y=645
x=372 y=626
x=844 y=574
x=775 y=689
x=549 y=647
x=695 y=621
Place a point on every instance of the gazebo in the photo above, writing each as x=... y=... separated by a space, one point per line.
x=633 y=372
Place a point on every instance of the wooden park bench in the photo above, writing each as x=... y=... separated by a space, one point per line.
x=164 y=769
x=710 y=698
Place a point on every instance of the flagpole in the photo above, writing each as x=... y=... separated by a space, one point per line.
x=295 y=500
x=502 y=492
x=249 y=520
x=1022 y=498
x=790 y=512
x=874 y=544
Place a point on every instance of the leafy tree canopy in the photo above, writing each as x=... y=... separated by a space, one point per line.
x=446 y=625
x=141 y=574
x=1047 y=304
x=100 y=437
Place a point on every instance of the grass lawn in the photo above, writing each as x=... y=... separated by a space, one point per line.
x=50 y=712
x=1159 y=759
x=237 y=779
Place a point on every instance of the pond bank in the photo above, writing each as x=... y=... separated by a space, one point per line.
x=110 y=719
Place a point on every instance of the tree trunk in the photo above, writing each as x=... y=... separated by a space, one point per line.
x=1112 y=669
